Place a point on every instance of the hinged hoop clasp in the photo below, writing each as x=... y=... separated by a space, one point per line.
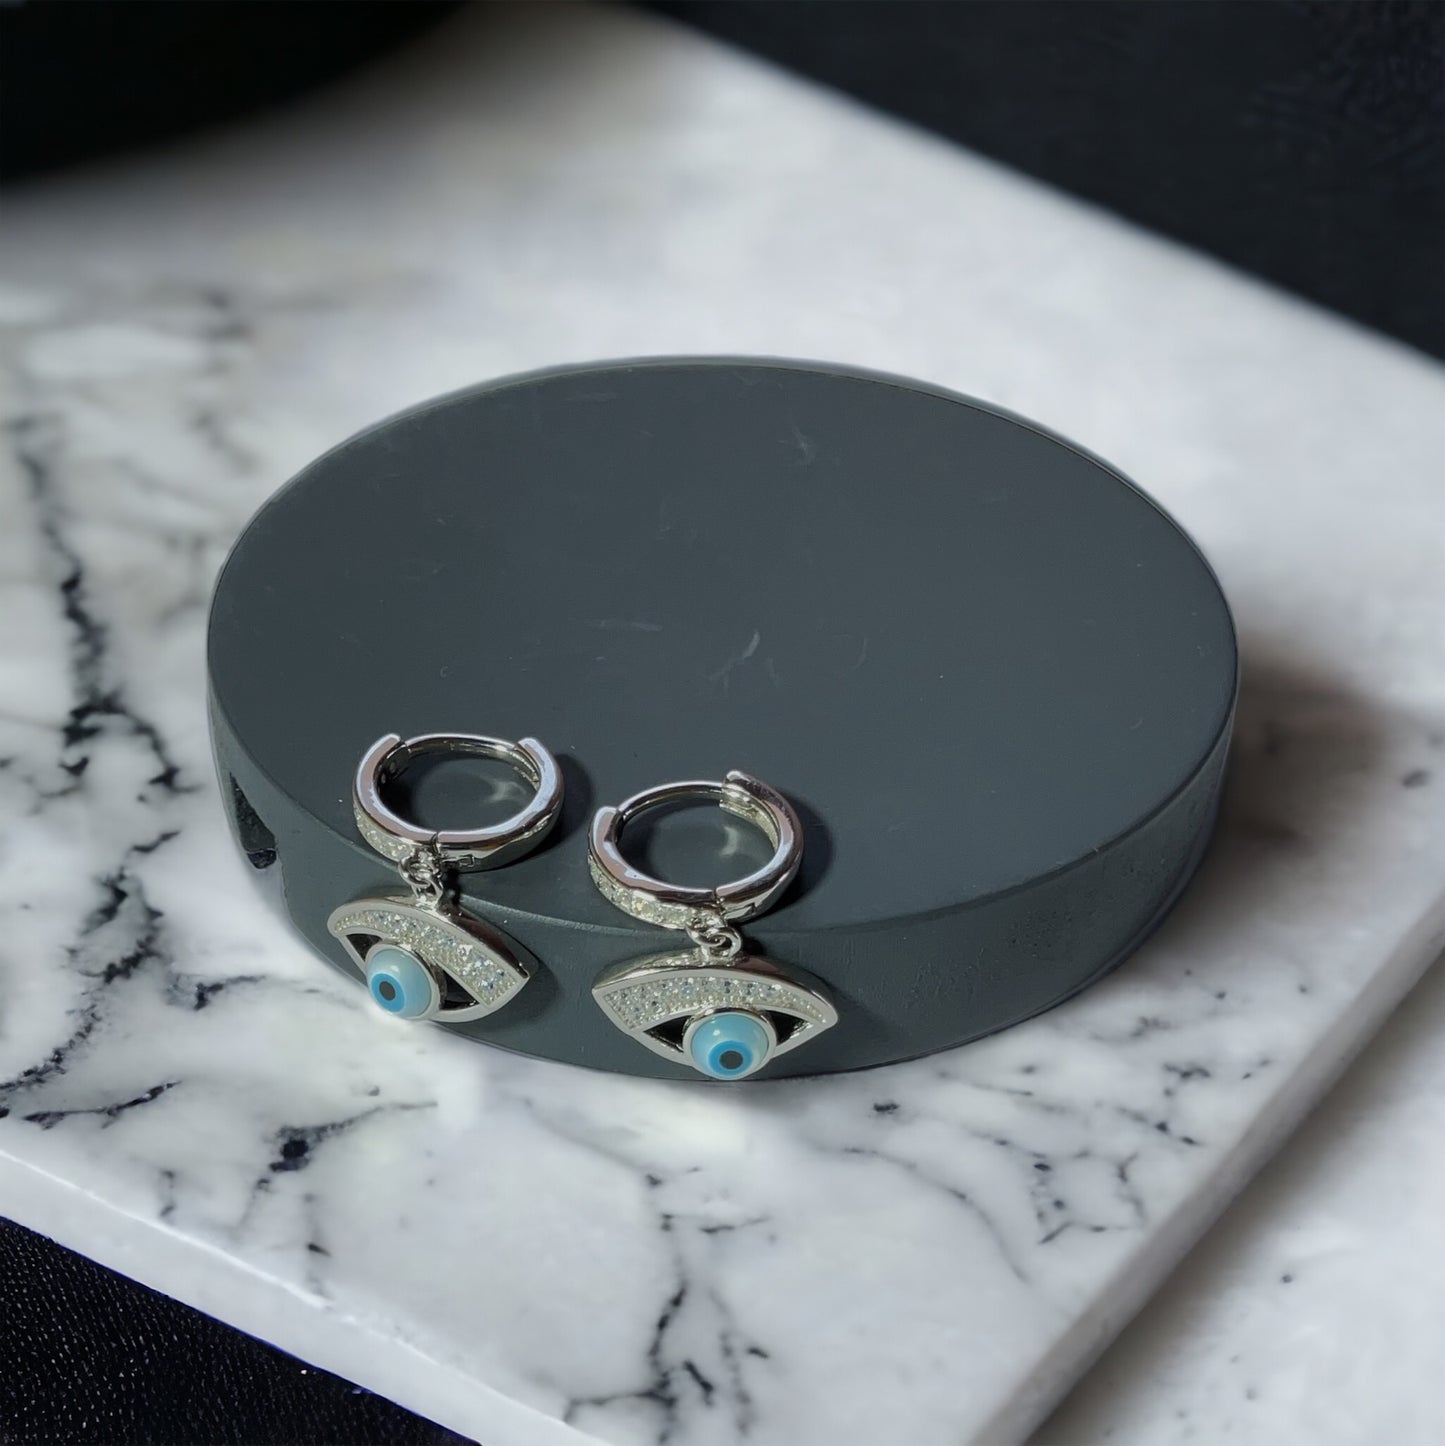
x=398 y=839
x=675 y=906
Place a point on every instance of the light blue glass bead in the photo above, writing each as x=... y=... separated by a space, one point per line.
x=398 y=983
x=729 y=1046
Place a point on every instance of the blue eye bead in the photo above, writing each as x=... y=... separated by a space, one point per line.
x=730 y=1045
x=400 y=984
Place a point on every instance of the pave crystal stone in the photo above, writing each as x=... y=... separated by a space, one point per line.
x=479 y=974
x=653 y=1000
x=642 y=905
x=387 y=844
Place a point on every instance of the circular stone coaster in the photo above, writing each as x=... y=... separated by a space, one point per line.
x=995 y=679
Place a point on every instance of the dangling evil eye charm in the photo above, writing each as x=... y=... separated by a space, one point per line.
x=401 y=984
x=730 y=1045
x=428 y=961
x=425 y=957
x=716 y=1008
x=725 y=1020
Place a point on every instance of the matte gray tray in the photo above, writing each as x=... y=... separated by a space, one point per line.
x=995 y=678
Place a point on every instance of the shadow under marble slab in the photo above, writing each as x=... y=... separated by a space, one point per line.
x=529 y=1253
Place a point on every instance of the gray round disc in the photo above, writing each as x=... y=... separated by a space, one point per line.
x=994 y=677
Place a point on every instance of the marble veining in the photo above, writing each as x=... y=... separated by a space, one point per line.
x=922 y=1254
x=1256 y=1337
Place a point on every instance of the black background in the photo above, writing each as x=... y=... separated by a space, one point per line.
x=89 y=1356
x=1301 y=141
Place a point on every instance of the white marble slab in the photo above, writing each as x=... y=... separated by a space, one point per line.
x=529 y=1253
x=1311 y=1314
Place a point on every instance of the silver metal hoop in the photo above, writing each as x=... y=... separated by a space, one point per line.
x=400 y=840
x=674 y=906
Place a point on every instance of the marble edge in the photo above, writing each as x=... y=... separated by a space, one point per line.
x=1075 y=1351
x=225 y=1288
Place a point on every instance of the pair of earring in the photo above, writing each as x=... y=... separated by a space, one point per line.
x=710 y=1005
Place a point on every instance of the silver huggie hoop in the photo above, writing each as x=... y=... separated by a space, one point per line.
x=674 y=906
x=394 y=837
x=714 y=1007
x=424 y=957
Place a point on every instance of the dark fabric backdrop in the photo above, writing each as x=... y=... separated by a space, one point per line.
x=89 y=1358
x=1303 y=140
x=88 y=80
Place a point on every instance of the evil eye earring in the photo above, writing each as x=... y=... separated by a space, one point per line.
x=715 y=1007
x=422 y=956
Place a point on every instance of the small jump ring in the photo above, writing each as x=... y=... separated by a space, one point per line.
x=398 y=839
x=674 y=906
